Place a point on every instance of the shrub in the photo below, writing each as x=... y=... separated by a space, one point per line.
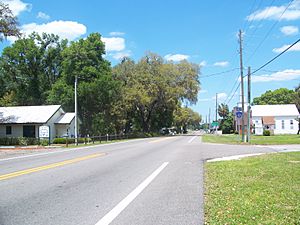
x=266 y=133
x=13 y=141
x=44 y=142
x=70 y=140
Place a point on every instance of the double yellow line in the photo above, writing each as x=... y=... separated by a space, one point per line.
x=161 y=139
x=46 y=167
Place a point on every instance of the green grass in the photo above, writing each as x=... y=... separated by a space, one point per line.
x=256 y=190
x=257 y=140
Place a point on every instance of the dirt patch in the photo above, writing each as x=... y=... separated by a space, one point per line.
x=20 y=151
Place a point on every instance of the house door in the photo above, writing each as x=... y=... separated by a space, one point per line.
x=29 y=131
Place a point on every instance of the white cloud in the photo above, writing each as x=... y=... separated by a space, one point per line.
x=203 y=63
x=277 y=12
x=114 y=44
x=121 y=55
x=289 y=30
x=17 y=6
x=116 y=33
x=176 y=57
x=284 y=75
x=42 y=15
x=64 y=29
x=221 y=96
x=295 y=48
x=221 y=64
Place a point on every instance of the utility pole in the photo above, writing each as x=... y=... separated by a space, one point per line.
x=242 y=84
x=216 y=107
x=249 y=105
x=209 y=118
x=76 y=119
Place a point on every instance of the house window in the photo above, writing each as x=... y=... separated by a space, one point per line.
x=292 y=124
x=282 y=124
x=8 y=130
x=29 y=131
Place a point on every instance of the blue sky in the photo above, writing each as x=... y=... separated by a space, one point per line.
x=203 y=32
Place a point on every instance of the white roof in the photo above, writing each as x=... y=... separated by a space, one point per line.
x=28 y=114
x=65 y=118
x=275 y=110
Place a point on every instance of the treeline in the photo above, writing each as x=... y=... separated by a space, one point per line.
x=141 y=96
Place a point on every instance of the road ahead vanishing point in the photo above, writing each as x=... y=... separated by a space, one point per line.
x=147 y=181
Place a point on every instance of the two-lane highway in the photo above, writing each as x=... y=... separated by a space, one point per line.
x=148 y=181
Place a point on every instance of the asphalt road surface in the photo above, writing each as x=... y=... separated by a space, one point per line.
x=149 y=181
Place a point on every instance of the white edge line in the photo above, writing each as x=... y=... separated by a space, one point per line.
x=66 y=150
x=191 y=140
x=235 y=157
x=111 y=215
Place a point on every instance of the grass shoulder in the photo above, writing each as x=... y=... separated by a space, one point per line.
x=255 y=139
x=256 y=190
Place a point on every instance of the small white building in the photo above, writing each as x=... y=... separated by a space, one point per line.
x=25 y=121
x=279 y=119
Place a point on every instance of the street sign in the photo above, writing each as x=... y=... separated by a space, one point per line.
x=215 y=124
x=239 y=114
x=44 y=132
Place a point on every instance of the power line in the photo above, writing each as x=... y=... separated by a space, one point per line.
x=270 y=30
x=233 y=93
x=253 y=9
x=267 y=63
x=261 y=21
x=236 y=81
x=217 y=74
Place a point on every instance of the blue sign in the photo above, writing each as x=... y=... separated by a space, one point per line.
x=239 y=114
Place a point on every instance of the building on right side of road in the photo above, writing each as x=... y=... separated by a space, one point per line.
x=278 y=119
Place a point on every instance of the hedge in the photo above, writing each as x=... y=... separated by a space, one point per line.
x=70 y=140
x=18 y=141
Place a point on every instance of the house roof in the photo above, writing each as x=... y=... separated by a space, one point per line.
x=65 y=118
x=28 y=114
x=268 y=120
x=275 y=110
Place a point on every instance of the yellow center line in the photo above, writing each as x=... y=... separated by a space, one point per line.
x=46 y=167
x=161 y=139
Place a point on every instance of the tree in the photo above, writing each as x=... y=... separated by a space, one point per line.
x=223 y=110
x=185 y=117
x=227 y=124
x=30 y=67
x=8 y=23
x=278 y=96
x=97 y=90
x=297 y=97
x=152 y=88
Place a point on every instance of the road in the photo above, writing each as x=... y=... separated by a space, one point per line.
x=148 y=181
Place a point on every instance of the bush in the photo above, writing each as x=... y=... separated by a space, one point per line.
x=266 y=133
x=13 y=141
x=44 y=142
x=70 y=140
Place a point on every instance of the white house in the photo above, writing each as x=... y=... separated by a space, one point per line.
x=279 y=119
x=24 y=121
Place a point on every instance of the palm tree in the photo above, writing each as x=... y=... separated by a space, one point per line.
x=223 y=110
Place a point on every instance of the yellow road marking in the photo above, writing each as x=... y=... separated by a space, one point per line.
x=161 y=139
x=46 y=167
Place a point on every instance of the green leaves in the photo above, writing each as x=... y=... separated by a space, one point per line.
x=278 y=96
x=30 y=67
x=8 y=23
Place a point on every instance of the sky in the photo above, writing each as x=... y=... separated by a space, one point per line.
x=202 y=32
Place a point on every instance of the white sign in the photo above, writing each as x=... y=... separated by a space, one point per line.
x=44 y=131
